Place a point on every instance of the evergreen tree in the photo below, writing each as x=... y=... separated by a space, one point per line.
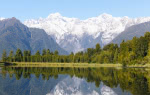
x=142 y=47
x=4 y=56
x=98 y=48
x=116 y=56
x=37 y=57
x=28 y=55
x=148 y=53
x=44 y=52
x=123 y=52
x=56 y=52
x=18 y=56
x=147 y=36
x=11 y=55
x=25 y=56
x=38 y=53
x=48 y=52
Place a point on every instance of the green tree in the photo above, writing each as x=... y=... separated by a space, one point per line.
x=142 y=47
x=147 y=36
x=4 y=56
x=56 y=52
x=48 y=52
x=37 y=57
x=148 y=53
x=38 y=53
x=116 y=56
x=28 y=55
x=11 y=56
x=18 y=56
x=25 y=54
x=98 y=48
x=44 y=52
x=124 y=51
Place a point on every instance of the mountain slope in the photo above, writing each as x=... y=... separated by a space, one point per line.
x=40 y=40
x=13 y=35
x=73 y=34
x=135 y=30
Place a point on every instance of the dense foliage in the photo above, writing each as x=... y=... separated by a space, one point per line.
x=136 y=50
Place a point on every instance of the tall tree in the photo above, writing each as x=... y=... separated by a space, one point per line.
x=4 y=56
x=28 y=55
x=38 y=53
x=44 y=52
x=98 y=48
x=48 y=52
x=11 y=55
x=56 y=52
x=148 y=53
x=116 y=56
x=18 y=56
x=25 y=54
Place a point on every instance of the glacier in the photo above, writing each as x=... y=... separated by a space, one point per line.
x=74 y=35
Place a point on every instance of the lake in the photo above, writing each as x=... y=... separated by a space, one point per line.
x=74 y=81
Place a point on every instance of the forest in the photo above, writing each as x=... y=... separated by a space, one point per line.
x=135 y=51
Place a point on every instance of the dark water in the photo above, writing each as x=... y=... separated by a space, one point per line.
x=74 y=81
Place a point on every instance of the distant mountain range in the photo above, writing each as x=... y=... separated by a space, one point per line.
x=73 y=34
x=68 y=34
x=14 y=34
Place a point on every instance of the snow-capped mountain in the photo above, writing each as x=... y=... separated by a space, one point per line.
x=1 y=18
x=74 y=34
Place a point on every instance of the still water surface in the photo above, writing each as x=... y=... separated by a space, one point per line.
x=74 y=81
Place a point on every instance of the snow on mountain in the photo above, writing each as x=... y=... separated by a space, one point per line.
x=1 y=18
x=77 y=86
x=75 y=35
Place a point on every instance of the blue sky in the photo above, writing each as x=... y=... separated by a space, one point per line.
x=83 y=9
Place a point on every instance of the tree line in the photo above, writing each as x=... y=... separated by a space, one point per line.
x=132 y=51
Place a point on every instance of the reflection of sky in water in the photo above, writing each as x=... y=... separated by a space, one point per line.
x=77 y=86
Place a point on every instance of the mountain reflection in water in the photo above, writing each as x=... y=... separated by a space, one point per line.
x=74 y=81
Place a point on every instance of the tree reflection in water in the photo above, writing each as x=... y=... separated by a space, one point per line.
x=134 y=80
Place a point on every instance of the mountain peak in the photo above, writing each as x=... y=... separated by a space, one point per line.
x=54 y=15
x=10 y=22
x=10 y=19
x=1 y=18
x=75 y=34
x=14 y=18
x=105 y=15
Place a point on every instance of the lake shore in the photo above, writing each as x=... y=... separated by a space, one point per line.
x=39 y=64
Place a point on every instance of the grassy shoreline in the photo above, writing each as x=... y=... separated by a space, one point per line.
x=39 y=64
x=44 y=64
